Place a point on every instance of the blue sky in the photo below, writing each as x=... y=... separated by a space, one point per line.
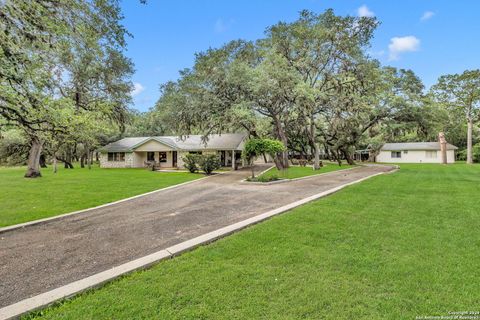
x=430 y=37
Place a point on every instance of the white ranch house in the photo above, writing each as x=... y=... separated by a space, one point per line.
x=168 y=151
x=415 y=152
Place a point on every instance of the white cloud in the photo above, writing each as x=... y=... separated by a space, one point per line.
x=137 y=89
x=402 y=44
x=363 y=11
x=427 y=15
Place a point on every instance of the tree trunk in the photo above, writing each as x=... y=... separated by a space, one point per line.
x=283 y=137
x=68 y=159
x=443 y=147
x=90 y=159
x=469 y=141
x=316 y=161
x=339 y=158
x=314 y=143
x=55 y=167
x=278 y=162
x=348 y=157
x=33 y=170
x=82 y=161
x=42 y=161
x=65 y=165
x=68 y=165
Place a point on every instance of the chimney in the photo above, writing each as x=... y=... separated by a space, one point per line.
x=443 y=147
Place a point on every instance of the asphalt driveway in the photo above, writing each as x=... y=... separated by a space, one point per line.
x=39 y=258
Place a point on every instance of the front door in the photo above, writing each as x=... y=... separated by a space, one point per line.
x=222 y=158
x=174 y=159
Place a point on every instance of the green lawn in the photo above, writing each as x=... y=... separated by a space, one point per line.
x=70 y=190
x=298 y=172
x=396 y=246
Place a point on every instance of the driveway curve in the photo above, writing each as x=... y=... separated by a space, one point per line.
x=42 y=257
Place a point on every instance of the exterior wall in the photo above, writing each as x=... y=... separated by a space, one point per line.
x=139 y=159
x=414 y=156
x=153 y=145
x=180 y=155
x=169 y=163
x=128 y=163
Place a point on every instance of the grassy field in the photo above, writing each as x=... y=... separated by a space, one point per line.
x=396 y=246
x=298 y=171
x=69 y=190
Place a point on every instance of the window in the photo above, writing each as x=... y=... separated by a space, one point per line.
x=405 y=152
x=431 y=154
x=396 y=154
x=162 y=156
x=116 y=156
x=150 y=156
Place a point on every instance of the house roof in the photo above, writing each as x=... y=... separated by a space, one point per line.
x=225 y=141
x=415 y=146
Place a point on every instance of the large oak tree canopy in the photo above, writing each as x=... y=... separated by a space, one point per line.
x=62 y=70
x=306 y=83
x=461 y=92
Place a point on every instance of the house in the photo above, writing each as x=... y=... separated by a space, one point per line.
x=415 y=152
x=168 y=151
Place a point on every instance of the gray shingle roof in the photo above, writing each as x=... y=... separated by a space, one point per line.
x=415 y=146
x=226 y=141
x=123 y=145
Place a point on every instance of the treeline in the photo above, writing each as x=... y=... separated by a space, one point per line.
x=65 y=89
x=64 y=80
x=312 y=85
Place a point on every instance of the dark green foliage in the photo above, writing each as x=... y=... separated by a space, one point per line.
x=191 y=162
x=13 y=148
x=209 y=162
x=264 y=178
x=256 y=147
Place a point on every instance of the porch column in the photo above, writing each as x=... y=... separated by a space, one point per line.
x=233 y=159
x=225 y=158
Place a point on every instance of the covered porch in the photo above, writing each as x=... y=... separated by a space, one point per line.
x=157 y=159
x=172 y=159
x=231 y=158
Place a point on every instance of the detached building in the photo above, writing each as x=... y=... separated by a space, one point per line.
x=168 y=151
x=415 y=152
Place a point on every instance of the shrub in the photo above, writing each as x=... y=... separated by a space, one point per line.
x=190 y=162
x=256 y=147
x=462 y=154
x=263 y=178
x=476 y=152
x=209 y=162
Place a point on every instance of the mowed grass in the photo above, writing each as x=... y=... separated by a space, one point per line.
x=297 y=171
x=396 y=246
x=23 y=200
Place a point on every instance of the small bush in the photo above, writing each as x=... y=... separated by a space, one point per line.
x=264 y=178
x=190 y=162
x=462 y=154
x=209 y=162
